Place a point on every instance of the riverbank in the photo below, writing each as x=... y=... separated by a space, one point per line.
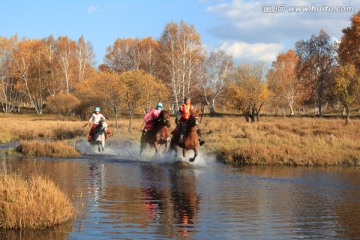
x=285 y=141
x=272 y=141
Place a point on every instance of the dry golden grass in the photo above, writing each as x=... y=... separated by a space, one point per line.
x=273 y=140
x=284 y=141
x=36 y=203
x=17 y=127
x=47 y=149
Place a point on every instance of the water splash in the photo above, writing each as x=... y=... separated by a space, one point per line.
x=129 y=150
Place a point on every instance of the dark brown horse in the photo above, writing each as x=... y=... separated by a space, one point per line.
x=190 y=139
x=158 y=135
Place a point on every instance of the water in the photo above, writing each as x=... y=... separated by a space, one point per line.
x=123 y=196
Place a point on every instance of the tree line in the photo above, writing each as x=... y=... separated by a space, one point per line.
x=59 y=74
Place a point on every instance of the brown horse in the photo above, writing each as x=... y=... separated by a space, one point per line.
x=158 y=135
x=190 y=139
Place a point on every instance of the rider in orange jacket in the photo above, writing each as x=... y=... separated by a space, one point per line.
x=182 y=117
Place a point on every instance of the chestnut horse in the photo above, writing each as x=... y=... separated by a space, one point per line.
x=158 y=135
x=190 y=139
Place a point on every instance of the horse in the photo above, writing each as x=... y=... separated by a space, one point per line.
x=190 y=139
x=100 y=135
x=158 y=135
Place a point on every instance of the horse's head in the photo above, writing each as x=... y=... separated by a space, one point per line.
x=164 y=118
x=194 y=118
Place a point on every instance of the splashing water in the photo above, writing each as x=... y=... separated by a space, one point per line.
x=129 y=150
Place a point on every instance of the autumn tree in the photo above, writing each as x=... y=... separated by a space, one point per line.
x=218 y=66
x=180 y=59
x=84 y=58
x=132 y=54
x=282 y=81
x=350 y=44
x=137 y=83
x=347 y=88
x=315 y=68
x=65 y=62
x=63 y=104
x=10 y=97
x=247 y=91
x=30 y=69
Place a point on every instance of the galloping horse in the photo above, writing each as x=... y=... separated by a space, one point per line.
x=190 y=138
x=100 y=135
x=158 y=135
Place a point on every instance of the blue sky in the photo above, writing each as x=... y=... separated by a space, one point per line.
x=239 y=27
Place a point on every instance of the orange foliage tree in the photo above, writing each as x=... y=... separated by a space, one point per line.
x=282 y=81
x=350 y=44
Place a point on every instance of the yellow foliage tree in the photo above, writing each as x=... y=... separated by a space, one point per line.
x=247 y=95
x=104 y=89
x=347 y=88
x=140 y=85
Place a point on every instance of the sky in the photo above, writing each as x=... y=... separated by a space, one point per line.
x=249 y=30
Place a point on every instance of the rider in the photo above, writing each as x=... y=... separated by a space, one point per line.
x=151 y=116
x=181 y=119
x=96 y=117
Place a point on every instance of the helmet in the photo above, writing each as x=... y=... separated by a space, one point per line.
x=159 y=105
x=97 y=109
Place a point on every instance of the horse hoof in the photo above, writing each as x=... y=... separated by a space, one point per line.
x=191 y=159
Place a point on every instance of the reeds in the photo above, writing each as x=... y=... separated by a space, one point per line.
x=36 y=203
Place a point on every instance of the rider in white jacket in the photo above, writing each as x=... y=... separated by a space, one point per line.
x=95 y=118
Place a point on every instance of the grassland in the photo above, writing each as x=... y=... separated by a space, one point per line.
x=272 y=141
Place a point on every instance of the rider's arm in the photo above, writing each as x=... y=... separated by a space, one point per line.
x=92 y=118
x=148 y=116
x=178 y=115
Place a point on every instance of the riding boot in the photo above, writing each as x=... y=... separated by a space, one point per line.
x=201 y=141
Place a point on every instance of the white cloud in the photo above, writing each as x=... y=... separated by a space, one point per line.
x=92 y=9
x=251 y=52
x=249 y=32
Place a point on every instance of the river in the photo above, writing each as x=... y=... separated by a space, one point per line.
x=122 y=196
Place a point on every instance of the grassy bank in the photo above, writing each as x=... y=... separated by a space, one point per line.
x=272 y=141
x=284 y=141
x=36 y=203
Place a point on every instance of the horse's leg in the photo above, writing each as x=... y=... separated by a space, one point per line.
x=142 y=143
x=166 y=145
x=195 y=155
x=184 y=152
x=103 y=142
x=156 y=147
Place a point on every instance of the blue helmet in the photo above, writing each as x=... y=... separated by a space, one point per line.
x=97 y=109
x=159 y=106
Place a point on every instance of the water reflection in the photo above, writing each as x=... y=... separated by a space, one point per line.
x=170 y=198
x=59 y=232
x=133 y=199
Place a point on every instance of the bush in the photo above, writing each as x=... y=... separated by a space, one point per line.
x=63 y=104
x=47 y=149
